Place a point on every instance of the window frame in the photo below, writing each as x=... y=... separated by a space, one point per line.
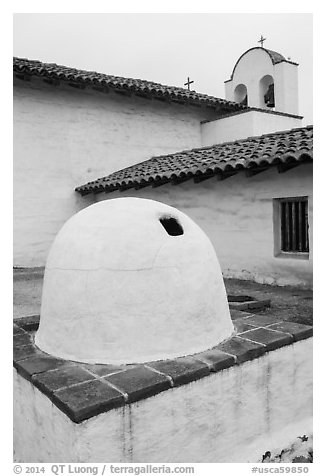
x=278 y=252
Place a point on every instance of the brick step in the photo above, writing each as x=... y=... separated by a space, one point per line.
x=251 y=304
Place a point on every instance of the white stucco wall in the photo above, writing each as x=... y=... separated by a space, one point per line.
x=237 y=216
x=64 y=137
x=246 y=124
x=287 y=88
x=234 y=415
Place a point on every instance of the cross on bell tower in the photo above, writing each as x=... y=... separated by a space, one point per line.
x=188 y=83
x=261 y=41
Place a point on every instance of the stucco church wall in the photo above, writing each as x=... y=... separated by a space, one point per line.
x=237 y=215
x=64 y=137
x=244 y=125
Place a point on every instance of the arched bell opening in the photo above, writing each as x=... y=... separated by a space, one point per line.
x=241 y=95
x=266 y=92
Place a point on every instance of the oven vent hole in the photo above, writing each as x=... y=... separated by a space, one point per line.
x=171 y=226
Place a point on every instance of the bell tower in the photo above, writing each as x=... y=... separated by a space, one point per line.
x=264 y=79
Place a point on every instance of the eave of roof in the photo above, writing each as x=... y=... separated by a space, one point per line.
x=250 y=110
x=284 y=149
x=52 y=73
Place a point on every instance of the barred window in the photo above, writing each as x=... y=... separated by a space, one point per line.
x=293 y=218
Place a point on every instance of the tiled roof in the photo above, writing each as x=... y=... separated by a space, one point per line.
x=276 y=57
x=52 y=72
x=254 y=154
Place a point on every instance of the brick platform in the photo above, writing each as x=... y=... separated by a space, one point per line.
x=82 y=391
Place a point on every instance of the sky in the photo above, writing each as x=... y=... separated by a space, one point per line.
x=167 y=47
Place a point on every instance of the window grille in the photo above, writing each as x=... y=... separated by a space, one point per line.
x=294 y=225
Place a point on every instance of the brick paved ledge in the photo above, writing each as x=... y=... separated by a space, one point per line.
x=82 y=391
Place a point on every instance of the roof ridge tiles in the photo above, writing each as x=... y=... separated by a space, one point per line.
x=65 y=73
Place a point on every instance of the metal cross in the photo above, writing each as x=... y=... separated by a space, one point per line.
x=261 y=41
x=188 y=83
